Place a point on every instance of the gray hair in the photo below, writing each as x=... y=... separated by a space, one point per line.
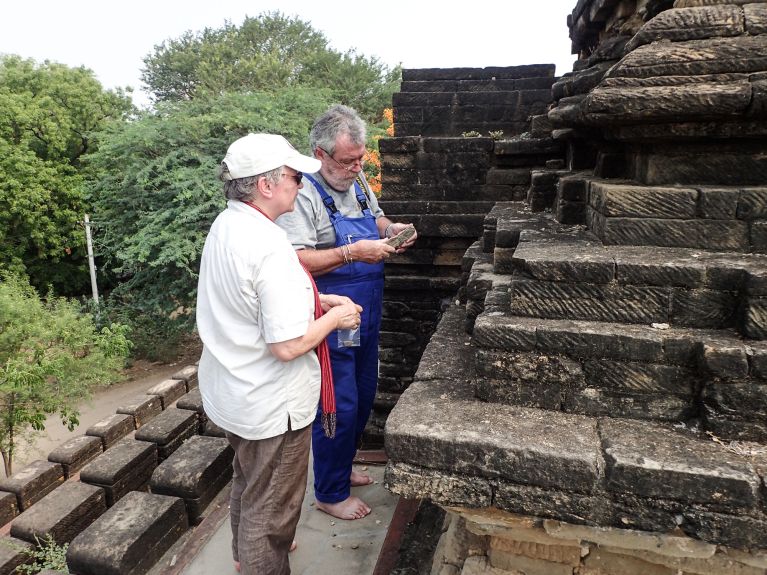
x=338 y=120
x=241 y=189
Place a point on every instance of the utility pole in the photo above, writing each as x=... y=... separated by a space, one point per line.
x=91 y=261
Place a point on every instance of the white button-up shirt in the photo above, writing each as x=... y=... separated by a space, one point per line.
x=252 y=292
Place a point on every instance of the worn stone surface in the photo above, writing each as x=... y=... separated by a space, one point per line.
x=125 y=467
x=112 y=428
x=188 y=374
x=611 y=303
x=700 y=233
x=196 y=472
x=62 y=514
x=169 y=430
x=33 y=482
x=12 y=554
x=168 y=391
x=130 y=537
x=518 y=443
x=9 y=507
x=675 y=465
x=588 y=262
x=142 y=408
x=74 y=453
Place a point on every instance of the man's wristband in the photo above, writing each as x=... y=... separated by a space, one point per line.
x=386 y=231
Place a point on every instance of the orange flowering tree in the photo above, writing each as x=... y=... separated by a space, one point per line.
x=373 y=156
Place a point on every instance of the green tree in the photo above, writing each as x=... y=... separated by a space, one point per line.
x=51 y=355
x=270 y=52
x=49 y=117
x=157 y=192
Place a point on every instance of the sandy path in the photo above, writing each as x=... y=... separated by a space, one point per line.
x=103 y=403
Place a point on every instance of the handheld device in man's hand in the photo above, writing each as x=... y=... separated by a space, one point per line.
x=401 y=237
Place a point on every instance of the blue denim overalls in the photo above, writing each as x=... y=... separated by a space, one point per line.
x=355 y=369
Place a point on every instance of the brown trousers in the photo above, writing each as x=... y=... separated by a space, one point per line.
x=267 y=492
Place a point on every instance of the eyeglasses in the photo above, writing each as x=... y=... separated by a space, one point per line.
x=348 y=167
x=296 y=177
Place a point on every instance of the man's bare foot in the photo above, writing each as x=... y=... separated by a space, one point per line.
x=293 y=546
x=350 y=508
x=360 y=479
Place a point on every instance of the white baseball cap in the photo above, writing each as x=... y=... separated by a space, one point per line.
x=259 y=153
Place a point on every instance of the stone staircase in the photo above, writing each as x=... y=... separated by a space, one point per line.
x=603 y=383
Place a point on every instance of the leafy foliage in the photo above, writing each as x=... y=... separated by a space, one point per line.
x=270 y=52
x=48 y=116
x=47 y=554
x=51 y=354
x=158 y=191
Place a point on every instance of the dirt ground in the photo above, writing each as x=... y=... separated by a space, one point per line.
x=139 y=377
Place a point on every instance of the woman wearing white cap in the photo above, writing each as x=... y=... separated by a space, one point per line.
x=261 y=319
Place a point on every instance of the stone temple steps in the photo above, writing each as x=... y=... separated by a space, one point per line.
x=446 y=442
x=563 y=271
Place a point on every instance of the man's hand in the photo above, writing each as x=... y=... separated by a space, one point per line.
x=371 y=251
x=395 y=229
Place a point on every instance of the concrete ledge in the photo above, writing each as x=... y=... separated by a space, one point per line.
x=168 y=391
x=130 y=537
x=197 y=471
x=169 y=430
x=142 y=408
x=33 y=482
x=76 y=453
x=188 y=375
x=61 y=514
x=125 y=467
x=9 y=507
x=112 y=429
x=12 y=554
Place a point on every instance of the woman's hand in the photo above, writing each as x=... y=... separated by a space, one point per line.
x=332 y=300
x=347 y=315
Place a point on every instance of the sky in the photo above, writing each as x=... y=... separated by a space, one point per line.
x=112 y=38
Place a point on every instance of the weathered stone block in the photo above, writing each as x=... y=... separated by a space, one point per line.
x=12 y=554
x=566 y=262
x=112 y=429
x=699 y=233
x=213 y=430
x=610 y=303
x=669 y=464
x=130 y=537
x=142 y=408
x=519 y=443
x=594 y=401
x=168 y=391
x=189 y=375
x=622 y=200
x=62 y=514
x=703 y=308
x=196 y=472
x=9 y=507
x=76 y=452
x=645 y=265
x=169 y=430
x=123 y=468
x=718 y=204
x=745 y=399
x=639 y=378
x=755 y=318
x=413 y=482
x=33 y=482
x=725 y=360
